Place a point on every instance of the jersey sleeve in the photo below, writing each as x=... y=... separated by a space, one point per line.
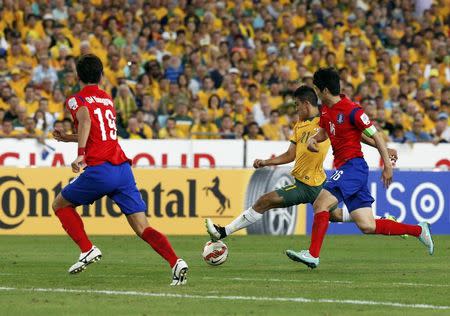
x=322 y=121
x=73 y=104
x=360 y=119
x=293 y=138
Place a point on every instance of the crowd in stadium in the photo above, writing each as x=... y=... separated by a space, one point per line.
x=207 y=69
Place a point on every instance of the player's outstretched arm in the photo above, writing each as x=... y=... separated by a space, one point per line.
x=393 y=155
x=318 y=137
x=84 y=128
x=61 y=136
x=282 y=159
x=382 y=149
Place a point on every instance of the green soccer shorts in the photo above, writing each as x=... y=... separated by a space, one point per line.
x=300 y=193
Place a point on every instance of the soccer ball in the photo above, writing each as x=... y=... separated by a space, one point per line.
x=215 y=253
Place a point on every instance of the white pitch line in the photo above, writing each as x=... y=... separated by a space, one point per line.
x=233 y=298
x=325 y=281
x=282 y=280
x=420 y=284
x=265 y=280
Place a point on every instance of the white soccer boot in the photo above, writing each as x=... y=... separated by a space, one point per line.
x=86 y=258
x=425 y=237
x=179 y=273
x=215 y=232
x=304 y=257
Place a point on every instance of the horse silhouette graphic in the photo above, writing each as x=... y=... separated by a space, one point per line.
x=223 y=200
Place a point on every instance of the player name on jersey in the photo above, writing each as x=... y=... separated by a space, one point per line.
x=104 y=101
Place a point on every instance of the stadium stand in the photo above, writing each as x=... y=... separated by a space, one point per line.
x=206 y=69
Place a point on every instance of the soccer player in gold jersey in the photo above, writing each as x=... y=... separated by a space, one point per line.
x=308 y=171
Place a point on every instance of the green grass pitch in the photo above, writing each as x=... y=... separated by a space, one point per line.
x=367 y=275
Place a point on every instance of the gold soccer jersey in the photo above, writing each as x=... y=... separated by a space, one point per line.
x=308 y=165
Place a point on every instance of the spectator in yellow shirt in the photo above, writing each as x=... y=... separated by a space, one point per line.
x=4 y=69
x=214 y=110
x=30 y=102
x=275 y=98
x=273 y=129
x=113 y=71
x=14 y=106
x=20 y=121
x=124 y=103
x=226 y=127
x=207 y=90
x=238 y=130
x=204 y=129
x=18 y=57
x=2 y=116
x=68 y=126
x=253 y=132
x=56 y=104
x=8 y=131
x=31 y=131
x=136 y=132
x=184 y=121
x=18 y=83
x=57 y=126
x=170 y=131
x=33 y=29
x=143 y=126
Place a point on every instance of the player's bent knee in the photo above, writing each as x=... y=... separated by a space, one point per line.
x=320 y=206
x=267 y=201
x=59 y=202
x=138 y=222
x=139 y=229
x=55 y=205
x=336 y=216
x=367 y=228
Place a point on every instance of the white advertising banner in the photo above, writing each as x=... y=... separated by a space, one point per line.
x=411 y=156
x=144 y=153
x=206 y=153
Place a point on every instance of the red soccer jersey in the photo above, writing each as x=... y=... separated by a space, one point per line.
x=102 y=145
x=344 y=122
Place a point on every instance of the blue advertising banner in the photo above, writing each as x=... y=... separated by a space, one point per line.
x=413 y=197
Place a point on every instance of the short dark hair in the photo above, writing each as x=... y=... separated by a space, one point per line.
x=275 y=112
x=28 y=86
x=57 y=122
x=226 y=116
x=306 y=94
x=327 y=78
x=31 y=118
x=89 y=69
x=398 y=127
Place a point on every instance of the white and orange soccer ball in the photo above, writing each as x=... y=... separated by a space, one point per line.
x=215 y=253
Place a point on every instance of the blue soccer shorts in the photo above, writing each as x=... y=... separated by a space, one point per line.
x=349 y=184
x=115 y=181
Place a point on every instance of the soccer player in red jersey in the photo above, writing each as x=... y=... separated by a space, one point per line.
x=107 y=171
x=344 y=122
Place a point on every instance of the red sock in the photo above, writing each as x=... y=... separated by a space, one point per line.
x=388 y=227
x=160 y=244
x=319 y=229
x=73 y=225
